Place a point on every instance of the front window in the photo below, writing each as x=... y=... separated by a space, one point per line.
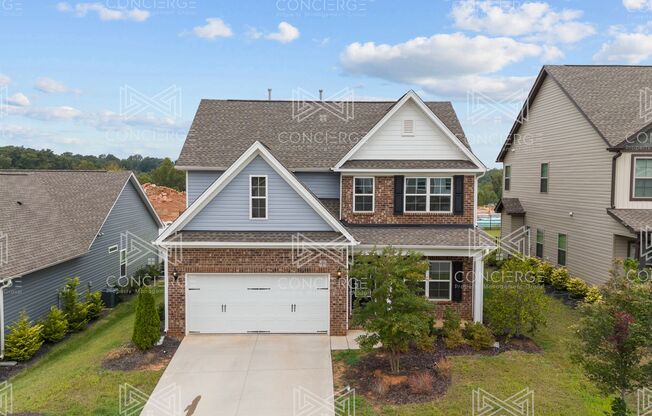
x=258 y=201
x=642 y=178
x=428 y=194
x=562 y=243
x=508 y=177
x=437 y=285
x=363 y=195
x=543 y=186
x=540 y=237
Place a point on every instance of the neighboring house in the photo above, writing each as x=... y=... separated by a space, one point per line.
x=168 y=203
x=578 y=167
x=280 y=204
x=94 y=225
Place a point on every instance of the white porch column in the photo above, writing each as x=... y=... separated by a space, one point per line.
x=478 y=288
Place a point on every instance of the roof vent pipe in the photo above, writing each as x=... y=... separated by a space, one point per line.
x=321 y=95
x=269 y=94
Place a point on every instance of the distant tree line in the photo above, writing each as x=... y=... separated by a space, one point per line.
x=147 y=169
x=490 y=187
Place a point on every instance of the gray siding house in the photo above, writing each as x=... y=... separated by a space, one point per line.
x=578 y=168
x=94 y=225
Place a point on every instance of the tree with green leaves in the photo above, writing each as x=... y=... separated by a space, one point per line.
x=147 y=327
x=75 y=311
x=397 y=314
x=614 y=337
x=23 y=339
x=167 y=175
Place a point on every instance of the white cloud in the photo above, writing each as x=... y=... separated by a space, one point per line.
x=19 y=99
x=629 y=48
x=635 y=5
x=532 y=20
x=59 y=113
x=52 y=86
x=213 y=29
x=286 y=33
x=4 y=80
x=104 y=13
x=322 y=41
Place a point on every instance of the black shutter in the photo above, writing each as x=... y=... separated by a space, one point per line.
x=457 y=281
x=458 y=194
x=398 y=194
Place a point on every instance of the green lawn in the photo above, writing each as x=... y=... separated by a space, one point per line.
x=559 y=386
x=69 y=379
x=494 y=232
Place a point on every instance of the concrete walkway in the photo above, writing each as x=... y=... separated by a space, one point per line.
x=238 y=375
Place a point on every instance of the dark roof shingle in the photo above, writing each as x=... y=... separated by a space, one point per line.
x=409 y=164
x=636 y=220
x=512 y=206
x=254 y=236
x=431 y=236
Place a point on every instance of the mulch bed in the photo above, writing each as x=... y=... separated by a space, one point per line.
x=129 y=358
x=372 y=378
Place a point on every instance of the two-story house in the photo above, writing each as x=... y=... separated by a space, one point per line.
x=280 y=201
x=578 y=167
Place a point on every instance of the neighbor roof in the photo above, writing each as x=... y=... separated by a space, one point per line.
x=52 y=216
x=636 y=220
x=223 y=129
x=512 y=206
x=609 y=96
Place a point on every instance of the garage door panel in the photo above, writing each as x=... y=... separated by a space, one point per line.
x=241 y=303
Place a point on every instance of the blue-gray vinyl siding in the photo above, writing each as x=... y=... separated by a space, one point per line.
x=229 y=210
x=198 y=182
x=322 y=184
x=37 y=292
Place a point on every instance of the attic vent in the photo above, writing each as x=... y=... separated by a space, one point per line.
x=408 y=127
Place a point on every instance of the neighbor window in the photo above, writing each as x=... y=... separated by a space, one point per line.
x=539 y=248
x=562 y=245
x=437 y=285
x=543 y=187
x=258 y=197
x=642 y=178
x=508 y=177
x=428 y=194
x=363 y=195
x=123 y=262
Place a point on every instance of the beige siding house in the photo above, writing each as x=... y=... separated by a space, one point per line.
x=573 y=175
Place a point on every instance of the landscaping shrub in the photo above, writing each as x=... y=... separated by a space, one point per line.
x=478 y=336
x=577 y=288
x=147 y=325
x=161 y=311
x=593 y=295
x=445 y=367
x=75 y=311
x=546 y=269
x=94 y=304
x=55 y=325
x=421 y=383
x=452 y=331
x=560 y=278
x=23 y=339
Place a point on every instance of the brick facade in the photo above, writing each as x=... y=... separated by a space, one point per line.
x=465 y=307
x=222 y=260
x=384 y=206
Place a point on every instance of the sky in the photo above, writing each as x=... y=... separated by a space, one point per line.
x=126 y=76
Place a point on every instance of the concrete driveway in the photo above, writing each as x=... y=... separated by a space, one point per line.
x=229 y=375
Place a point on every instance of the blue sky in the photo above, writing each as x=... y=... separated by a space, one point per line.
x=65 y=65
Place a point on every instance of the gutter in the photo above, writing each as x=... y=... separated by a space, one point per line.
x=613 y=178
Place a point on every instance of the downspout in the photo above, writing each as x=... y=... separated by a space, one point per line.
x=613 y=178
x=3 y=285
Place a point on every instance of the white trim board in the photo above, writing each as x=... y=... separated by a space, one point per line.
x=256 y=149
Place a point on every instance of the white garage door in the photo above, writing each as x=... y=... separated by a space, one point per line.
x=243 y=303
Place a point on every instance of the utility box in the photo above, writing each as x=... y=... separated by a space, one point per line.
x=110 y=297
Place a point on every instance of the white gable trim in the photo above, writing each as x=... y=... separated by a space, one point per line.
x=411 y=95
x=257 y=149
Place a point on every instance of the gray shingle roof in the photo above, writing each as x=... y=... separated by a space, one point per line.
x=252 y=236
x=52 y=216
x=431 y=236
x=635 y=220
x=409 y=164
x=511 y=206
x=223 y=129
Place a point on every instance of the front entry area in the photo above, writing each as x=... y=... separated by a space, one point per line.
x=231 y=303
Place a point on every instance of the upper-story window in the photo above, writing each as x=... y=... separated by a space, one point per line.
x=258 y=197
x=363 y=194
x=642 y=177
x=543 y=180
x=508 y=177
x=408 y=127
x=428 y=194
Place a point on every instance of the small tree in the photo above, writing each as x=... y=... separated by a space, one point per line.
x=75 y=311
x=94 y=304
x=397 y=314
x=23 y=340
x=55 y=325
x=516 y=305
x=614 y=338
x=147 y=325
